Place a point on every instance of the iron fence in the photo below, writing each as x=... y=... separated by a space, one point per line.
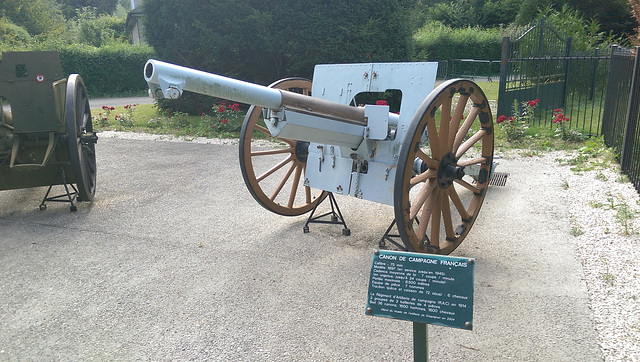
x=621 y=129
x=599 y=90
x=475 y=69
x=541 y=64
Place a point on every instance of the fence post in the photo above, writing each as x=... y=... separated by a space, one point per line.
x=502 y=88
x=594 y=73
x=632 y=112
x=567 y=54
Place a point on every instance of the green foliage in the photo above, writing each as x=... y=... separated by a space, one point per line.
x=515 y=126
x=563 y=130
x=69 y=7
x=610 y=15
x=12 y=36
x=474 y=13
x=112 y=69
x=98 y=30
x=41 y=18
x=585 y=34
x=594 y=154
x=436 y=41
x=266 y=41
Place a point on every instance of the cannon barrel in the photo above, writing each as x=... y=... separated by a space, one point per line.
x=169 y=80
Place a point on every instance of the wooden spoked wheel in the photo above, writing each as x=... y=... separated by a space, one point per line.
x=274 y=171
x=80 y=137
x=435 y=202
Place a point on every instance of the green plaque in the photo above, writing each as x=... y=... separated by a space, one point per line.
x=423 y=288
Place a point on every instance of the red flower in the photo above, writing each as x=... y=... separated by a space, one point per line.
x=224 y=121
x=222 y=108
x=381 y=103
x=501 y=119
x=235 y=107
x=203 y=113
x=533 y=103
x=511 y=119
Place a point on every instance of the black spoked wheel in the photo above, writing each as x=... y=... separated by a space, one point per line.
x=81 y=138
x=435 y=200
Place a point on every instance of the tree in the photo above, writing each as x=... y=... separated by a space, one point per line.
x=38 y=17
x=262 y=41
x=612 y=15
x=635 y=11
x=70 y=7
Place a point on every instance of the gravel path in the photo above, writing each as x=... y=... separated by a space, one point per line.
x=609 y=252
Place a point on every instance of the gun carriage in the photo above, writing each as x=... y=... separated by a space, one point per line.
x=432 y=161
x=47 y=138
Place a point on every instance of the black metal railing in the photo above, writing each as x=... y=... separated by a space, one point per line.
x=620 y=126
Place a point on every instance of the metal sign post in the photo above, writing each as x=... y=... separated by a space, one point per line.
x=424 y=289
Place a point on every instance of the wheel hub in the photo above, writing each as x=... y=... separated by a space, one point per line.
x=302 y=150
x=448 y=171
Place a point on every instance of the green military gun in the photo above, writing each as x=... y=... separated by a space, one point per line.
x=47 y=137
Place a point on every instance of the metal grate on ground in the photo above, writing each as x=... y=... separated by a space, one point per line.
x=499 y=179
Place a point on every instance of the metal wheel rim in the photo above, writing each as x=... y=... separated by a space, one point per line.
x=82 y=154
x=423 y=198
x=294 y=166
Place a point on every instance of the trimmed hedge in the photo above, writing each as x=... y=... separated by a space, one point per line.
x=108 y=70
x=436 y=41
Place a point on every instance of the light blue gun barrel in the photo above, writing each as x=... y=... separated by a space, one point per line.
x=169 y=80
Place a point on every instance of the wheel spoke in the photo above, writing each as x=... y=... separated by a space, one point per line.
x=273 y=152
x=468 y=186
x=434 y=143
x=275 y=168
x=446 y=216
x=457 y=117
x=445 y=120
x=283 y=181
x=430 y=173
x=426 y=215
x=472 y=161
x=466 y=126
x=455 y=198
x=431 y=163
x=435 y=221
x=88 y=150
x=262 y=129
x=470 y=142
x=425 y=192
x=294 y=185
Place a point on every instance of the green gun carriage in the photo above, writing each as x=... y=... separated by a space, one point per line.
x=47 y=137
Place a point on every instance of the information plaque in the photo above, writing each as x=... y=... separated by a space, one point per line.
x=423 y=288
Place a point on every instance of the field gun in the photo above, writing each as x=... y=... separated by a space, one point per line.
x=47 y=138
x=431 y=161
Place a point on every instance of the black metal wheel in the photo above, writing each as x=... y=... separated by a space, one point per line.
x=80 y=137
x=274 y=175
x=435 y=202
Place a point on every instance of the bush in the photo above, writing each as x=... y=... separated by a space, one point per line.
x=108 y=70
x=12 y=36
x=436 y=41
x=95 y=30
x=265 y=41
